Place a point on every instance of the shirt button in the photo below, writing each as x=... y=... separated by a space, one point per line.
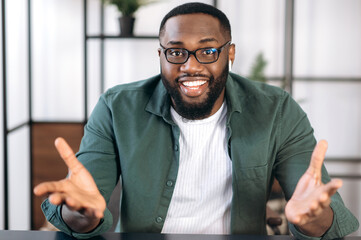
x=176 y=147
x=159 y=219
x=169 y=183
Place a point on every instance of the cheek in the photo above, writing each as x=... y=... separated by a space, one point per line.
x=169 y=70
x=218 y=69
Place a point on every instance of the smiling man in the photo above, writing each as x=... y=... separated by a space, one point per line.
x=195 y=79
x=197 y=148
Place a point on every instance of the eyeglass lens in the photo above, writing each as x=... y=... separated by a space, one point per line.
x=181 y=55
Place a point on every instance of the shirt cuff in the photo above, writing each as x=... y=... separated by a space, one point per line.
x=295 y=232
x=343 y=223
x=53 y=215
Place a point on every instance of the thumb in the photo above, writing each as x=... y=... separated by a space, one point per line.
x=317 y=159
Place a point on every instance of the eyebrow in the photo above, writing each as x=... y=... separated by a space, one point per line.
x=205 y=40
x=175 y=42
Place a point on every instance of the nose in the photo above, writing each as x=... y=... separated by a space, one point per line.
x=191 y=65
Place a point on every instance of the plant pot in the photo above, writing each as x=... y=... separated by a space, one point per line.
x=126 y=24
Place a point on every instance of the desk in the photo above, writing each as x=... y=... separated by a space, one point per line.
x=40 y=235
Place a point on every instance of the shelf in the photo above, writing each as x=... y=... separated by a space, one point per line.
x=120 y=37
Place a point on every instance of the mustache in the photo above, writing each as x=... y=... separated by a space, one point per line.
x=192 y=75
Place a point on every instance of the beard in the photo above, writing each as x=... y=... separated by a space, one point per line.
x=197 y=110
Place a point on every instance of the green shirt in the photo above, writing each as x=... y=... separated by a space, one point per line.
x=131 y=135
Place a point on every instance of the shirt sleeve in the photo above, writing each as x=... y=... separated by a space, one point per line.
x=99 y=155
x=53 y=214
x=296 y=143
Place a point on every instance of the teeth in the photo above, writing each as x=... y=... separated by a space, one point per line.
x=193 y=83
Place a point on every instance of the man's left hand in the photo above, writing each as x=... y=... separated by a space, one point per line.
x=309 y=207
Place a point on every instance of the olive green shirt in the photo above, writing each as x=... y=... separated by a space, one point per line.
x=131 y=135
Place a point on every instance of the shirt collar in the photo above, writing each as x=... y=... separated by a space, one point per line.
x=234 y=94
x=160 y=102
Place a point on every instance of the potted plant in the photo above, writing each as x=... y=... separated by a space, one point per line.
x=127 y=8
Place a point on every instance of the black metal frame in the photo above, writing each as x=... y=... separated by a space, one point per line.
x=5 y=126
x=30 y=104
x=7 y=131
x=85 y=15
x=288 y=54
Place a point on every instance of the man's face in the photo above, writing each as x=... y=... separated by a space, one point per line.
x=197 y=90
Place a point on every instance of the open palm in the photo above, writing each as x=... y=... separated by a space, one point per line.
x=311 y=197
x=78 y=191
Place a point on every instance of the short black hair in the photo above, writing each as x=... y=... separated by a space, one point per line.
x=197 y=7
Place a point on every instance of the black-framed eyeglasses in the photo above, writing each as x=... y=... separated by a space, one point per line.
x=203 y=55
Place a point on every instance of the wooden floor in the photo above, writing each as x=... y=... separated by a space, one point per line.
x=47 y=164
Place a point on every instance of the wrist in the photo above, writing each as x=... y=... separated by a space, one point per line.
x=319 y=226
x=77 y=221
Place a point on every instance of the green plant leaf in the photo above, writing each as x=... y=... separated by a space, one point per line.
x=258 y=67
x=129 y=7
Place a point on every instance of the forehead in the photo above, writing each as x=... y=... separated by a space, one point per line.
x=192 y=28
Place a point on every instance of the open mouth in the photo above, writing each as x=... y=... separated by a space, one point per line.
x=194 y=84
x=193 y=88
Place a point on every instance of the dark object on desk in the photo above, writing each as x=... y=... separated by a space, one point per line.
x=274 y=222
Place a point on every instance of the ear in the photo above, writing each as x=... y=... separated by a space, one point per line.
x=232 y=53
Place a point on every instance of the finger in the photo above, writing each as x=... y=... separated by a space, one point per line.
x=67 y=155
x=325 y=201
x=86 y=208
x=317 y=158
x=316 y=210
x=99 y=214
x=73 y=204
x=332 y=186
x=296 y=219
x=49 y=187
x=92 y=212
x=328 y=190
x=292 y=213
x=57 y=198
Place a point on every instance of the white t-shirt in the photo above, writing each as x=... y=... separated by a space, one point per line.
x=202 y=195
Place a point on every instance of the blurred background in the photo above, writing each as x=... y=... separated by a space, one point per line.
x=58 y=56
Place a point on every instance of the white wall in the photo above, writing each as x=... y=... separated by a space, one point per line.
x=327 y=38
x=17 y=62
x=57 y=37
x=257 y=26
x=327 y=44
x=19 y=180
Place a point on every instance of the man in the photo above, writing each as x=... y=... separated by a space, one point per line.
x=197 y=148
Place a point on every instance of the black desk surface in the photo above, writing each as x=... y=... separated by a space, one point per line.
x=38 y=235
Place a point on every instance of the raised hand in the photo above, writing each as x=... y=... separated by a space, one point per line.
x=309 y=204
x=78 y=191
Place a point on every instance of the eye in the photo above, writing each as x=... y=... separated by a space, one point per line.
x=175 y=53
x=209 y=51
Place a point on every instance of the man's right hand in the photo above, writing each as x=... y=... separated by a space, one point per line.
x=78 y=192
